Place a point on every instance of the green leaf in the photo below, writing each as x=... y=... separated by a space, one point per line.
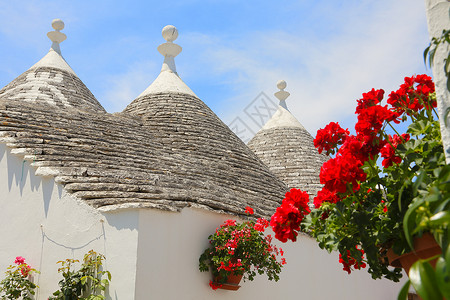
x=409 y=223
x=425 y=53
x=424 y=280
x=441 y=218
x=403 y=295
x=443 y=277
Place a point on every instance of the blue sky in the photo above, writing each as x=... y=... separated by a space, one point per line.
x=329 y=52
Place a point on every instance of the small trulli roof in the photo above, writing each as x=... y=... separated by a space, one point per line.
x=167 y=150
x=287 y=148
x=52 y=81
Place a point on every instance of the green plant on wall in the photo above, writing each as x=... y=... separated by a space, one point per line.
x=17 y=283
x=87 y=283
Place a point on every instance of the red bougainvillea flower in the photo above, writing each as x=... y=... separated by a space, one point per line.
x=369 y=99
x=261 y=225
x=249 y=210
x=337 y=173
x=286 y=220
x=325 y=195
x=388 y=151
x=19 y=260
x=352 y=262
x=330 y=137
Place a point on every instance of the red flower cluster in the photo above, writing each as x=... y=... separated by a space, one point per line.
x=340 y=172
x=19 y=260
x=369 y=99
x=343 y=173
x=413 y=95
x=214 y=285
x=388 y=151
x=232 y=266
x=286 y=220
x=352 y=262
x=330 y=137
x=24 y=268
x=261 y=225
x=249 y=210
x=325 y=196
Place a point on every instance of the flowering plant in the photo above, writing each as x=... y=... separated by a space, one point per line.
x=379 y=189
x=17 y=283
x=241 y=249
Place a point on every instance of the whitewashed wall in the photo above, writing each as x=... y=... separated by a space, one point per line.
x=151 y=254
x=69 y=230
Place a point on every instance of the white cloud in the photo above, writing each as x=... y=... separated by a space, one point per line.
x=375 y=48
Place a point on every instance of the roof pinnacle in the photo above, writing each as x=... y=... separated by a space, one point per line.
x=169 y=49
x=56 y=36
x=282 y=94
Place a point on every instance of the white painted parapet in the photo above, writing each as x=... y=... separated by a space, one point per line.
x=438 y=20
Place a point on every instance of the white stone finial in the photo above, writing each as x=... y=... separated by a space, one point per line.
x=282 y=94
x=169 y=49
x=58 y=24
x=281 y=84
x=170 y=33
x=56 y=36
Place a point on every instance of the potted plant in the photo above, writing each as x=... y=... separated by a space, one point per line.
x=18 y=281
x=382 y=187
x=240 y=249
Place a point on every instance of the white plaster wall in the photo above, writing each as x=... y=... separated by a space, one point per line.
x=70 y=229
x=438 y=19
x=171 y=243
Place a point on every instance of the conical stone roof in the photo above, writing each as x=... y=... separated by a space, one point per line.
x=167 y=151
x=287 y=148
x=202 y=146
x=52 y=81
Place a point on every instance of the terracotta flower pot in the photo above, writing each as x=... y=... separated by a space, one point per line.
x=424 y=246
x=232 y=283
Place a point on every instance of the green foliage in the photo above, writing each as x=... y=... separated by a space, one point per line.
x=85 y=283
x=17 y=283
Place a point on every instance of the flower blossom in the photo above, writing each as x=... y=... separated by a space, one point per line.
x=352 y=262
x=340 y=171
x=261 y=224
x=286 y=220
x=19 y=260
x=214 y=285
x=330 y=137
x=388 y=151
x=325 y=195
x=413 y=95
x=249 y=210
